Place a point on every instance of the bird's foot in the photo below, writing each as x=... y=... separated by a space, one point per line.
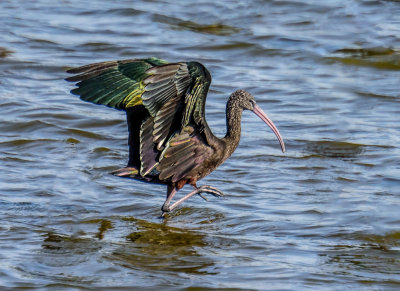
x=165 y=209
x=125 y=172
x=209 y=189
x=203 y=189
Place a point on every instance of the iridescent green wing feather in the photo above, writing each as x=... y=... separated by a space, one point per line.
x=195 y=98
x=117 y=84
x=151 y=82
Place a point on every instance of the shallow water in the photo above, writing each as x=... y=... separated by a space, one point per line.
x=324 y=215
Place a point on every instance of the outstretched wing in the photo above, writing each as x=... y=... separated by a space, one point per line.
x=121 y=84
x=173 y=94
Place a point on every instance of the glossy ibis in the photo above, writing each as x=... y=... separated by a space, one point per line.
x=169 y=139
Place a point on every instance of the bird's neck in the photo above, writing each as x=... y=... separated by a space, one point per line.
x=233 y=126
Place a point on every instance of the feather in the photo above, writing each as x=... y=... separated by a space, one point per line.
x=158 y=85
x=154 y=100
x=183 y=172
x=92 y=67
x=109 y=83
x=172 y=166
x=163 y=121
x=158 y=78
x=148 y=154
x=165 y=69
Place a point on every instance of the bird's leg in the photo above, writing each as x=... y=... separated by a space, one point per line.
x=171 y=191
x=203 y=189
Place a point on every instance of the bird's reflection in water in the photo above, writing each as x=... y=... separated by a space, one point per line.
x=157 y=246
x=151 y=245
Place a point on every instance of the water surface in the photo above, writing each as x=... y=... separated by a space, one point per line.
x=323 y=216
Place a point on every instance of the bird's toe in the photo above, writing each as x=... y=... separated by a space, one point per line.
x=212 y=190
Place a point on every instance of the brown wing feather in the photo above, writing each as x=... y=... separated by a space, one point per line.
x=163 y=83
x=163 y=121
x=148 y=153
x=184 y=152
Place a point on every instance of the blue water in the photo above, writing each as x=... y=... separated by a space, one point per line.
x=323 y=216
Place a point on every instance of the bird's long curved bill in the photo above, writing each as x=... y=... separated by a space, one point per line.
x=257 y=110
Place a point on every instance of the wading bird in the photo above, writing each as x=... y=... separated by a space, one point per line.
x=169 y=140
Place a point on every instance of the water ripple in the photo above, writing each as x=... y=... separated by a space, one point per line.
x=321 y=216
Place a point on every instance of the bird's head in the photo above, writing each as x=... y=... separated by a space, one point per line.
x=243 y=99
x=246 y=101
